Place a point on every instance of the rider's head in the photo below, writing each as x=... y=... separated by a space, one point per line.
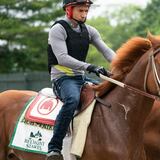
x=77 y=9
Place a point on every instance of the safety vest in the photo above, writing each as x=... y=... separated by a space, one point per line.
x=77 y=44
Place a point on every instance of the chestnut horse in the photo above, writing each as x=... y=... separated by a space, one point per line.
x=115 y=133
x=152 y=133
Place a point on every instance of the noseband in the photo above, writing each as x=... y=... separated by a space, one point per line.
x=152 y=64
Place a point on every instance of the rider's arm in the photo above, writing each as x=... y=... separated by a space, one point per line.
x=57 y=40
x=97 y=41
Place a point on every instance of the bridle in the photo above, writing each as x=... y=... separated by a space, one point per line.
x=151 y=64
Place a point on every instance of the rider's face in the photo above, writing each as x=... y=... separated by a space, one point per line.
x=80 y=12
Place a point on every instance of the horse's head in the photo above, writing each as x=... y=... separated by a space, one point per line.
x=152 y=76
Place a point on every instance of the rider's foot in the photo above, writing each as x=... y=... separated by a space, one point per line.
x=54 y=156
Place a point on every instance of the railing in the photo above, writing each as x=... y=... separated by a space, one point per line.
x=28 y=81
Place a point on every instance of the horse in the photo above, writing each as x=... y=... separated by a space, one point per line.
x=114 y=133
x=152 y=133
x=117 y=133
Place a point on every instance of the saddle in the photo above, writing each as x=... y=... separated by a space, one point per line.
x=87 y=96
x=45 y=106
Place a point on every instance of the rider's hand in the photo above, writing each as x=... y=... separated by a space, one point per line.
x=98 y=70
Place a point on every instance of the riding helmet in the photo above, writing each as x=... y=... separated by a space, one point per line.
x=75 y=2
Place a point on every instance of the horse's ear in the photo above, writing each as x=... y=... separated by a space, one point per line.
x=149 y=35
x=154 y=41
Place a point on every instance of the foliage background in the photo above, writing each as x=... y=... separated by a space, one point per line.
x=24 y=28
x=23 y=33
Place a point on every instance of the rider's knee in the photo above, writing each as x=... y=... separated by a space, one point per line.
x=72 y=101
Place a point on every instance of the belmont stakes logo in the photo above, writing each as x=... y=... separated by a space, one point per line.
x=34 y=141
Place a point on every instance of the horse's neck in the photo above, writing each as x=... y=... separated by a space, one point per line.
x=123 y=122
x=137 y=102
x=136 y=77
x=136 y=105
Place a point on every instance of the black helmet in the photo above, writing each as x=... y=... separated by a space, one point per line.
x=75 y=2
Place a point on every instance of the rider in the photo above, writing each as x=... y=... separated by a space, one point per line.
x=68 y=45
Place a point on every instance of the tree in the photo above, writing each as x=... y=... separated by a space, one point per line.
x=123 y=23
x=104 y=27
x=23 y=36
x=126 y=20
x=150 y=19
x=115 y=28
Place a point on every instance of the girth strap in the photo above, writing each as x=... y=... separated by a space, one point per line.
x=100 y=100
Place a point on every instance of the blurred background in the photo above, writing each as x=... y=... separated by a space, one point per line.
x=24 y=26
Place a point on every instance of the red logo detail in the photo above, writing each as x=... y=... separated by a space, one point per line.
x=46 y=106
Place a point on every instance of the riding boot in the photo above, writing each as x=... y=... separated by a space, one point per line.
x=54 y=156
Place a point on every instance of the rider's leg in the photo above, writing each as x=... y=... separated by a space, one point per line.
x=68 y=88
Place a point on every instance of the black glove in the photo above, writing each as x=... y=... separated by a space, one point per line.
x=98 y=70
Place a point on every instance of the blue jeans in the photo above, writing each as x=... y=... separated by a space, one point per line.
x=67 y=89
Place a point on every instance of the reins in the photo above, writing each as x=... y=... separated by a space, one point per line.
x=151 y=62
x=123 y=85
x=104 y=103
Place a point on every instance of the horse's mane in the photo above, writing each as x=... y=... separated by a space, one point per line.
x=126 y=57
x=128 y=54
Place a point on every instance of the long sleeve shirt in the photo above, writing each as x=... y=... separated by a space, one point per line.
x=68 y=65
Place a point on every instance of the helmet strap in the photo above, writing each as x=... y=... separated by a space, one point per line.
x=69 y=12
x=79 y=22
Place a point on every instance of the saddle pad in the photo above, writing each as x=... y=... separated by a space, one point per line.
x=30 y=137
x=43 y=109
x=80 y=127
x=34 y=138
